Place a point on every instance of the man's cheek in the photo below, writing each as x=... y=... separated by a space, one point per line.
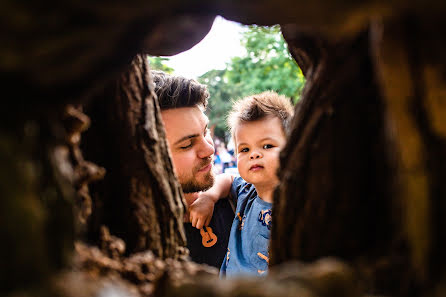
x=181 y=164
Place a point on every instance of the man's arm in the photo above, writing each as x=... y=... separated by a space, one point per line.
x=201 y=210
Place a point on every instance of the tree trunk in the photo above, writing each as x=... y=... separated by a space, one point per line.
x=411 y=65
x=337 y=192
x=362 y=170
x=139 y=200
x=36 y=202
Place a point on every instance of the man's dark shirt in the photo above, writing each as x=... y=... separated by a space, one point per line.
x=221 y=223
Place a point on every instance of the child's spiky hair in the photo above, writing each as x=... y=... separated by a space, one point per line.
x=259 y=106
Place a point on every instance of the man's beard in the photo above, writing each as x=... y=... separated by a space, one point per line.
x=192 y=185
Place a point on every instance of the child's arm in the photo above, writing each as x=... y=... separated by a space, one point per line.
x=201 y=210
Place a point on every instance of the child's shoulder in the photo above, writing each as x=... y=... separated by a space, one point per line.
x=239 y=182
x=240 y=186
x=237 y=179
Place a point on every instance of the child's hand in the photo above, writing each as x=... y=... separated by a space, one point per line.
x=201 y=210
x=190 y=198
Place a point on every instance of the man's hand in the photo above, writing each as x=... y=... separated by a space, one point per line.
x=201 y=210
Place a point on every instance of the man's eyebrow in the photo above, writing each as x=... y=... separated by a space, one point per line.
x=190 y=136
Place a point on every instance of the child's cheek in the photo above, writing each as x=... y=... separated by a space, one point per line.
x=241 y=165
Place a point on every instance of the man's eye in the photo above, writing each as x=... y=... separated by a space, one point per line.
x=268 y=146
x=244 y=150
x=207 y=131
x=186 y=146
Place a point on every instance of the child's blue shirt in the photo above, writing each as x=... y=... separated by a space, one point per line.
x=249 y=238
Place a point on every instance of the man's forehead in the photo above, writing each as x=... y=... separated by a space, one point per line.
x=174 y=115
x=183 y=122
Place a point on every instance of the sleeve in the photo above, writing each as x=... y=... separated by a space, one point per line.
x=236 y=187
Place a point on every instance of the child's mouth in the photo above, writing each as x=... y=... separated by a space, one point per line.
x=256 y=168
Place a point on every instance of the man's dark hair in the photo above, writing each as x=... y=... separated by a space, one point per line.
x=176 y=91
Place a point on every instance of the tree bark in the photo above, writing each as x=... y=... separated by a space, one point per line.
x=139 y=200
x=336 y=197
x=411 y=65
x=36 y=202
x=362 y=171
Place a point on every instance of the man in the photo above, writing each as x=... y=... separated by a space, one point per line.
x=183 y=102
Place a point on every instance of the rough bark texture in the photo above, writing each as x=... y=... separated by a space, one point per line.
x=336 y=195
x=411 y=68
x=36 y=204
x=324 y=278
x=62 y=53
x=139 y=199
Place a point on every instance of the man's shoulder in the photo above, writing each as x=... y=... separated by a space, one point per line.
x=224 y=207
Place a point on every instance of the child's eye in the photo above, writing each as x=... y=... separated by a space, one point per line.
x=244 y=150
x=267 y=146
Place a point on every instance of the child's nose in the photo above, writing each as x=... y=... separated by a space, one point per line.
x=255 y=155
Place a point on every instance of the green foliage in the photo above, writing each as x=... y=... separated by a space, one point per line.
x=157 y=63
x=267 y=65
x=222 y=92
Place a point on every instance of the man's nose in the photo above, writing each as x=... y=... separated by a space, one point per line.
x=255 y=155
x=206 y=149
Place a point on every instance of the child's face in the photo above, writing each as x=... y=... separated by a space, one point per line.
x=258 y=147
